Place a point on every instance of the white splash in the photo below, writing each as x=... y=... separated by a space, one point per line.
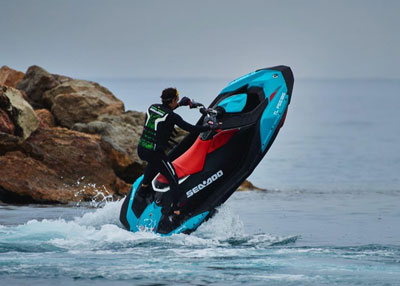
x=101 y=230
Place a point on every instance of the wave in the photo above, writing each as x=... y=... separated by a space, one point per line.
x=101 y=230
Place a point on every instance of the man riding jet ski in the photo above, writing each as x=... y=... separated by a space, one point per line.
x=209 y=167
x=159 y=124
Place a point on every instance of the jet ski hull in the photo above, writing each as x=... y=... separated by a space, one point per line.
x=212 y=165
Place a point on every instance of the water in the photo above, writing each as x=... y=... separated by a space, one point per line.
x=330 y=215
x=282 y=239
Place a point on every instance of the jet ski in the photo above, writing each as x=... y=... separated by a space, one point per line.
x=212 y=165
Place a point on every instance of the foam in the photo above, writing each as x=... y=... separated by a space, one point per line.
x=224 y=225
x=101 y=230
x=284 y=277
x=108 y=214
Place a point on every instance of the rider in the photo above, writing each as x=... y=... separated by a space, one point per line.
x=158 y=127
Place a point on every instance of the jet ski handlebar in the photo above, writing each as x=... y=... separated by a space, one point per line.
x=211 y=115
x=206 y=111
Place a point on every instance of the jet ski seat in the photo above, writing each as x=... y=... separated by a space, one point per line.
x=192 y=161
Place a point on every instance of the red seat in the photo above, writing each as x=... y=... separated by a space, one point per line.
x=192 y=161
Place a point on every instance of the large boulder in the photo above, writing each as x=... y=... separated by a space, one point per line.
x=10 y=77
x=57 y=165
x=36 y=81
x=25 y=180
x=74 y=155
x=81 y=101
x=19 y=112
x=121 y=134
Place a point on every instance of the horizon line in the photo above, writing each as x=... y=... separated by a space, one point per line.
x=200 y=78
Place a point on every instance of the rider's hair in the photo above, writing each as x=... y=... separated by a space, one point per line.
x=168 y=95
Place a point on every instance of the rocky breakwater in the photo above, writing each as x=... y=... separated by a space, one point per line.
x=44 y=160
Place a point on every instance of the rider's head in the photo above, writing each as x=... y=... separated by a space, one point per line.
x=170 y=97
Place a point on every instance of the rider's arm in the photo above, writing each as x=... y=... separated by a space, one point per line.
x=189 y=127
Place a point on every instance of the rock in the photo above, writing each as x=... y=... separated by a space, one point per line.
x=69 y=100
x=46 y=119
x=248 y=186
x=120 y=134
x=81 y=101
x=10 y=77
x=36 y=81
x=73 y=155
x=6 y=124
x=25 y=180
x=67 y=166
x=19 y=111
x=9 y=142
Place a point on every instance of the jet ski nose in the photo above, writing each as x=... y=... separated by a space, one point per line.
x=287 y=75
x=289 y=78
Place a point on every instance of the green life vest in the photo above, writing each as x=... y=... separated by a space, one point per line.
x=155 y=115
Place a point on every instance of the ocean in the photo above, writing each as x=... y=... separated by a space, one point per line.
x=330 y=214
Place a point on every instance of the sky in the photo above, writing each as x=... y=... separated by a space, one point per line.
x=202 y=39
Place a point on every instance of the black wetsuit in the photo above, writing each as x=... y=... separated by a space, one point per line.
x=158 y=127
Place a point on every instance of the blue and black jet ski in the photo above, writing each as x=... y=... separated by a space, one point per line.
x=212 y=165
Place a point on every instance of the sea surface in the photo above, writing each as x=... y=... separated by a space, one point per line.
x=330 y=214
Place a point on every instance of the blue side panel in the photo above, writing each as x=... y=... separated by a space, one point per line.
x=270 y=81
x=130 y=216
x=234 y=103
x=191 y=223
x=272 y=116
x=150 y=218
